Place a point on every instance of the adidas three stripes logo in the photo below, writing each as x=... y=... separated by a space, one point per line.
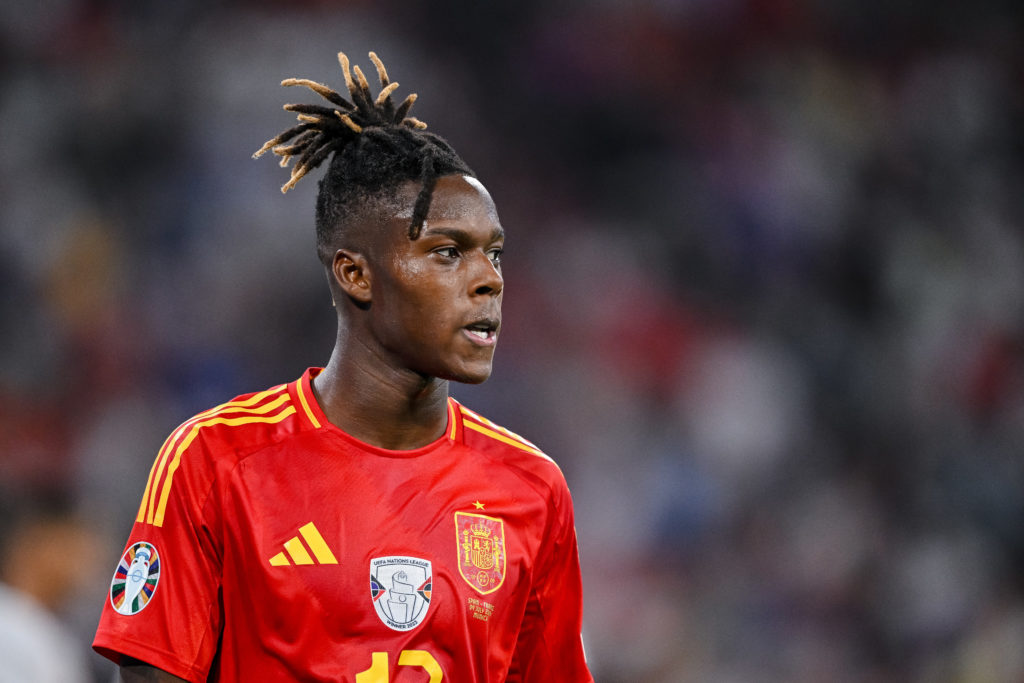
x=297 y=552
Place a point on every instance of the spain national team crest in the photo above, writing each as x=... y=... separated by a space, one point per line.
x=400 y=588
x=135 y=579
x=481 y=547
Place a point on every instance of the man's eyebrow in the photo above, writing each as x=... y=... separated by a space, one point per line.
x=460 y=235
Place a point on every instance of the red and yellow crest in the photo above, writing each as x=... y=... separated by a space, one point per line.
x=481 y=548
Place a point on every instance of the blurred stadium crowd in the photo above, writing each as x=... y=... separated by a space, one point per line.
x=765 y=300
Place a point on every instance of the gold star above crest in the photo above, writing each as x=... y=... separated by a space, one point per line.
x=478 y=505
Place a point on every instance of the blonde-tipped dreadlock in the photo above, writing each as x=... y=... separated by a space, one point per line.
x=319 y=132
x=374 y=147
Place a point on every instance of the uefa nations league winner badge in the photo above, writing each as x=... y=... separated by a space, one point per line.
x=400 y=589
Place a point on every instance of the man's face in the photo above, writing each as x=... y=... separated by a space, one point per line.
x=436 y=300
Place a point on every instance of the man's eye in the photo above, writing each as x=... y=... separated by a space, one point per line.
x=448 y=252
x=495 y=255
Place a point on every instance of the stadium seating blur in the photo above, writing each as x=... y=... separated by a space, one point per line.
x=764 y=295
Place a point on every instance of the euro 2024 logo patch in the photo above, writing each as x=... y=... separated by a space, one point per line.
x=135 y=579
x=400 y=588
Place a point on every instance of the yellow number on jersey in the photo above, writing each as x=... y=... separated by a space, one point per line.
x=378 y=671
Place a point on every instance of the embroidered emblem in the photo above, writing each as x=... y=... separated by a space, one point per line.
x=481 y=549
x=400 y=590
x=135 y=579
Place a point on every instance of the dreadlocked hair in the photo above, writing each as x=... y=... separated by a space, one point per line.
x=374 y=147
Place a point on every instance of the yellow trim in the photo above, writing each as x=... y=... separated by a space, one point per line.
x=157 y=469
x=149 y=483
x=305 y=405
x=297 y=551
x=451 y=419
x=501 y=437
x=496 y=427
x=193 y=424
x=279 y=560
x=158 y=518
x=317 y=544
x=161 y=459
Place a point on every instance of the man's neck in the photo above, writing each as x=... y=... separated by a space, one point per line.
x=381 y=406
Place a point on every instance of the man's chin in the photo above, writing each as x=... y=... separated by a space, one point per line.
x=471 y=375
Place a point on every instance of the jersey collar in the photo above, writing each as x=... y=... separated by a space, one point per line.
x=314 y=416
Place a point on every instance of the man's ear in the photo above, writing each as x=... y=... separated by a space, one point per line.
x=351 y=272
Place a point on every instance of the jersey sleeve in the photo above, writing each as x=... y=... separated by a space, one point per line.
x=163 y=605
x=550 y=646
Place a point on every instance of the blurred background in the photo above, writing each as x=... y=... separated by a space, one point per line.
x=764 y=302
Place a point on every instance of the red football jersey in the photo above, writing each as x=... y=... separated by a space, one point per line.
x=272 y=546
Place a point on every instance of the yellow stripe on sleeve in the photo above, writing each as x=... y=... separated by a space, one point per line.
x=496 y=427
x=157 y=469
x=161 y=460
x=149 y=484
x=504 y=439
x=240 y=407
x=165 y=491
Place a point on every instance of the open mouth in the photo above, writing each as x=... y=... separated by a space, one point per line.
x=482 y=332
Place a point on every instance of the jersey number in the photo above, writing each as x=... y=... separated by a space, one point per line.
x=378 y=671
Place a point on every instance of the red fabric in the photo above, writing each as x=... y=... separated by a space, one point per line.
x=241 y=480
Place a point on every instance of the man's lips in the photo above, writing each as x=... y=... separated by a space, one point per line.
x=483 y=332
x=481 y=337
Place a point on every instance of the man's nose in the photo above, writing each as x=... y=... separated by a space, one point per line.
x=487 y=277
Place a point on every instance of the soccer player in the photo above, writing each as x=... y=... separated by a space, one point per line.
x=358 y=524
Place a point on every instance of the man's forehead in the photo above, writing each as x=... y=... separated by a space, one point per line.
x=444 y=204
x=475 y=183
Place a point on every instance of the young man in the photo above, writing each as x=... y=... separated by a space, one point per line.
x=358 y=524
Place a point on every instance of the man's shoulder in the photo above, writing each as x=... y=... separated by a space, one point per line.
x=491 y=438
x=209 y=446
x=243 y=424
